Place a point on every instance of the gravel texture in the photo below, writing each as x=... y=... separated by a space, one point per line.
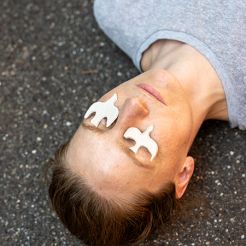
x=53 y=60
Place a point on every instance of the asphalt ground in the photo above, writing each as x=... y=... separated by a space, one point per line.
x=54 y=62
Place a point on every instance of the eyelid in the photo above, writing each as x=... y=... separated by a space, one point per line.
x=104 y=124
x=92 y=127
x=132 y=142
x=133 y=156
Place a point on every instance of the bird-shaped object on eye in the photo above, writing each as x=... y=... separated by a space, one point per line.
x=103 y=110
x=142 y=140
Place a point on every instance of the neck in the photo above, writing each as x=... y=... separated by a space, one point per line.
x=195 y=74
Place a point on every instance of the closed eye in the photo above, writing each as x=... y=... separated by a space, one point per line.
x=142 y=151
x=103 y=123
x=101 y=127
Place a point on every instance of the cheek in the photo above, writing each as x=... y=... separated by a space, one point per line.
x=181 y=118
x=169 y=132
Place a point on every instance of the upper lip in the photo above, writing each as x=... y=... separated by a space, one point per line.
x=152 y=91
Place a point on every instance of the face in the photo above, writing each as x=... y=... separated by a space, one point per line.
x=102 y=155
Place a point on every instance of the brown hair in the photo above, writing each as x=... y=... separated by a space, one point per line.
x=98 y=221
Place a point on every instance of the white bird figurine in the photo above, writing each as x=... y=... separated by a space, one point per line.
x=142 y=140
x=105 y=109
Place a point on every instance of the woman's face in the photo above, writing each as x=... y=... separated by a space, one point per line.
x=102 y=155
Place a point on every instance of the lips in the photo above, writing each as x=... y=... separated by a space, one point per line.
x=152 y=91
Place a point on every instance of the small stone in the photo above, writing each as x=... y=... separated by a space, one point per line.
x=68 y=123
x=38 y=139
x=119 y=74
x=34 y=151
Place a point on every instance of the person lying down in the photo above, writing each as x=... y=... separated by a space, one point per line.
x=120 y=175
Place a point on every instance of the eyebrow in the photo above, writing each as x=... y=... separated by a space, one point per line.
x=122 y=146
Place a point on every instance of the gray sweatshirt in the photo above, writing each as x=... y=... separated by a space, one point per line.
x=216 y=28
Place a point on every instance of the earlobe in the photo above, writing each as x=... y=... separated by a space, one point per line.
x=183 y=177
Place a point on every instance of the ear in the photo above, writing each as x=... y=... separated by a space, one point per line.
x=183 y=177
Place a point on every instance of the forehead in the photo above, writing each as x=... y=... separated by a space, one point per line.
x=97 y=151
x=103 y=163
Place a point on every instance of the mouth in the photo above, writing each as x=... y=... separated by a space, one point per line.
x=152 y=91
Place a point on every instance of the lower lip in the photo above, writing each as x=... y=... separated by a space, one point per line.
x=153 y=92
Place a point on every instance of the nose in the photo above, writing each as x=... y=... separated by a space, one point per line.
x=133 y=109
